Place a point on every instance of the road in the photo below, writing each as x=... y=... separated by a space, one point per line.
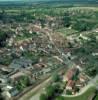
x=35 y=90
x=40 y=90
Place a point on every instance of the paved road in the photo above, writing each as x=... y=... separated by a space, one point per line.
x=35 y=90
x=39 y=89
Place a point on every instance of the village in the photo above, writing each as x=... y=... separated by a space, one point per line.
x=25 y=70
x=48 y=53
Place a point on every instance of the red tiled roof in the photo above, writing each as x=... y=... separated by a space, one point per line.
x=71 y=73
x=71 y=83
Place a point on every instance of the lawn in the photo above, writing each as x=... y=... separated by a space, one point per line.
x=84 y=96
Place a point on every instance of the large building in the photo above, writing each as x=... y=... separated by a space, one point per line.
x=71 y=78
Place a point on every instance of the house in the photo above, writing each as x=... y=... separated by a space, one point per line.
x=96 y=30
x=21 y=63
x=83 y=37
x=17 y=76
x=70 y=85
x=36 y=72
x=10 y=42
x=8 y=94
x=79 y=84
x=71 y=78
x=5 y=70
x=46 y=70
x=72 y=73
x=83 y=78
x=95 y=53
x=13 y=92
x=3 y=81
x=6 y=88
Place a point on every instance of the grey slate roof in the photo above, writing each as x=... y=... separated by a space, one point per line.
x=20 y=63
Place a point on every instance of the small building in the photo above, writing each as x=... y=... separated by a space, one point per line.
x=46 y=70
x=8 y=94
x=13 y=92
x=70 y=85
x=83 y=37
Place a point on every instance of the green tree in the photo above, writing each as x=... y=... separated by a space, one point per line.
x=56 y=78
x=67 y=19
x=43 y=97
x=50 y=91
x=60 y=98
x=23 y=83
x=68 y=92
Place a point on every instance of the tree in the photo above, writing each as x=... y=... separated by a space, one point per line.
x=56 y=78
x=57 y=88
x=93 y=38
x=23 y=83
x=43 y=97
x=3 y=37
x=67 y=19
x=42 y=21
x=1 y=97
x=68 y=92
x=50 y=91
x=70 y=45
x=60 y=98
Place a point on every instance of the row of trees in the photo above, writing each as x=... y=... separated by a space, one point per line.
x=52 y=90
